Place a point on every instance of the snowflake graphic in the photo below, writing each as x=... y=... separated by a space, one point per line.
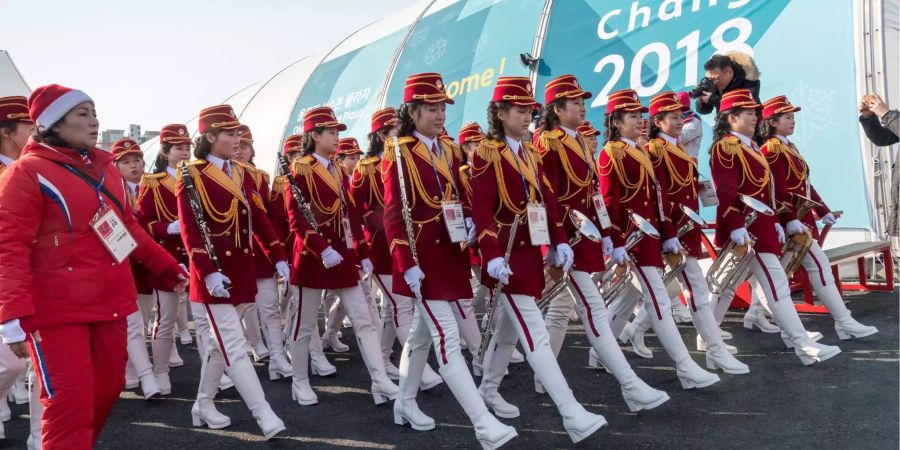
x=408 y=65
x=480 y=44
x=447 y=18
x=418 y=37
x=818 y=112
x=436 y=51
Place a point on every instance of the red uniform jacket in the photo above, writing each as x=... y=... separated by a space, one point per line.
x=738 y=169
x=677 y=174
x=330 y=200
x=157 y=207
x=499 y=196
x=139 y=272
x=278 y=213
x=264 y=267
x=233 y=223
x=791 y=175
x=367 y=190
x=627 y=181
x=445 y=264
x=465 y=185
x=53 y=267
x=569 y=167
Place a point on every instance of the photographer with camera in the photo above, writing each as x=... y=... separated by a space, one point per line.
x=725 y=73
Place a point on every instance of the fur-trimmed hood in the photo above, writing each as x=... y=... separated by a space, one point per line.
x=747 y=63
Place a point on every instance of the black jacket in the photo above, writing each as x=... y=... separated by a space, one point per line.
x=876 y=132
x=746 y=76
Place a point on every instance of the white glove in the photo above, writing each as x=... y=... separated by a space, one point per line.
x=779 y=230
x=607 y=245
x=215 y=284
x=565 y=257
x=619 y=255
x=12 y=332
x=671 y=245
x=550 y=256
x=829 y=219
x=470 y=228
x=413 y=277
x=174 y=228
x=283 y=270
x=331 y=258
x=366 y=266
x=740 y=236
x=498 y=270
x=794 y=227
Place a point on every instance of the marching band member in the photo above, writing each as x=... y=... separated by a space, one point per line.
x=677 y=175
x=266 y=304
x=129 y=159
x=367 y=188
x=324 y=255
x=158 y=213
x=790 y=173
x=223 y=278
x=587 y=131
x=569 y=167
x=470 y=136
x=738 y=168
x=628 y=183
x=424 y=226
x=15 y=128
x=64 y=217
x=278 y=214
x=508 y=184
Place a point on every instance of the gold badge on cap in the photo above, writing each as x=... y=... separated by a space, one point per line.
x=439 y=84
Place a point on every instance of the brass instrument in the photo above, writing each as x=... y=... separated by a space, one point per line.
x=732 y=267
x=488 y=331
x=796 y=247
x=670 y=277
x=612 y=282
x=584 y=228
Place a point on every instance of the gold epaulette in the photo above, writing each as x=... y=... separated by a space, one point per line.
x=489 y=150
x=656 y=147
x=774 y=146
x=615 y=150
x=730 y=145
x=464 y=177
x=302 y=166
x=255 y=174
x=367 y=166
x=193 y=168
x=552 y=140
x=152 y=180
x=389 y=153
x=534 y=152
x=278 y=186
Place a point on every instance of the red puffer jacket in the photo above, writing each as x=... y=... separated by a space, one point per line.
x=53 y=268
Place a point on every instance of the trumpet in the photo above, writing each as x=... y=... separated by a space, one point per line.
x=670 y=277
x=797 y=246
x=584 y=228
x=612 y=282
x=732 y=266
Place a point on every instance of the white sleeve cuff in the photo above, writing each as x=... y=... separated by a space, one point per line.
x=12 y=332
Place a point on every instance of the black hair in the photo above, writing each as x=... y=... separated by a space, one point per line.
x=376 y=144
x=611 y=133
x=308 y=144
x=718 y=61
x=252 y=155
x=202 y=146
x=721 y=127
x=766 y=129
x=162 y=158
x=46 y=135
x=549 y=119
x=404 y=115
x=654 y=129
x=495 y=126
x=8 y=125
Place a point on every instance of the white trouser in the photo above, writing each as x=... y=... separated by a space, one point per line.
x=146 y=302
x=201 y=328
x=656 y=301
x=481 y=293
x=396 y=314
x=468 y=325
x=164 y=329
x=434 y=324
x=557 y=317
x=818 y=267
x=622 y=307
x=181 y=318
x=11 y=366
x=137 y=346
x=270 y=314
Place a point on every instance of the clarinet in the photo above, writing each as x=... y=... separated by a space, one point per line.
x=200 y=217
x=404 y=202
x=298 y=195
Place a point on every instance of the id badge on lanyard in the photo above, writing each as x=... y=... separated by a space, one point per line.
x=602 y=213
x=112 y=232
x=454 y=221
x=708 y=195
x=538 y=229
x=348 y=232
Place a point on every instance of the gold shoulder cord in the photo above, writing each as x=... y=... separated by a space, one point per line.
x=162 y=211
x=675 y=178
x=645 y=175
x=229 y=217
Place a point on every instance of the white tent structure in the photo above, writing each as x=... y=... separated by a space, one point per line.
x=11 y=80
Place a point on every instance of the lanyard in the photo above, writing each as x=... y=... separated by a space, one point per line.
x=587 y=157
x=97 y=187
x=522 y=171
x=437 y=176
x=340 y=183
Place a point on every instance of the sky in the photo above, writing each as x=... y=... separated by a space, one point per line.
x=153 y=63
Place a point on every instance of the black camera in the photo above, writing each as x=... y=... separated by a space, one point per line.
x=705 y=85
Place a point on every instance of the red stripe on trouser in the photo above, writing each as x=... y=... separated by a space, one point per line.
x=158 y=315
x=459 y=307
x=819 y=266
x=650 y=290
x=390 y=297
x=212 y=322
x=297 y=319
x=522 y=323
x=440 y=330
x=587 y=307
x=690 y=289
x=768 y=277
